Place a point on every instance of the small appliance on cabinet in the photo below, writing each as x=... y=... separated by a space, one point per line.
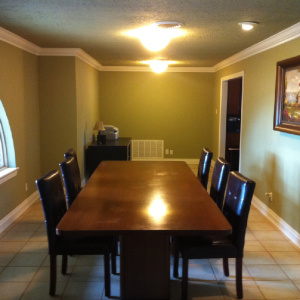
x=111 y=132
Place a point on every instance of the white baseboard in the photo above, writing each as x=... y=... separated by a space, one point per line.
x=285 y=228
x=189 y=161
x=18 y=211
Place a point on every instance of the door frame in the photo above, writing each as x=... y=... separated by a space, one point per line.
x=223 y=113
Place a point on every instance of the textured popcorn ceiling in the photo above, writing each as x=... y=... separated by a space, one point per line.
x=98 y=26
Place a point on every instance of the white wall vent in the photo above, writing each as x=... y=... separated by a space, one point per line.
x=147 y=149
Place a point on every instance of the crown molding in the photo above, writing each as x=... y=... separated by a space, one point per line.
x=76 y=52
x=191 y=69
x=282 y=37
x=19 y=42
x=60 y=52
x=273 y=41
x=125 y=69
x=148 y=69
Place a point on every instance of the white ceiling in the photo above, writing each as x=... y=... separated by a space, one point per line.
x=97 y=26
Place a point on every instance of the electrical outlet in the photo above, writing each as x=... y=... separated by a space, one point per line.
x=270 y=196
x=167 y=151
x=171 y=152
x=26 y=187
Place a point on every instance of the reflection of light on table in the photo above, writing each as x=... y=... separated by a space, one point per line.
x=157 y=208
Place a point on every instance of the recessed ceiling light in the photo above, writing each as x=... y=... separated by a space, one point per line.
x=247 y=25
x=158 y=35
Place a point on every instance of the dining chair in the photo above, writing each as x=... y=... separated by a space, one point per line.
x=72 y=152
x=236 y=209
x=70 y=173
x=217 y=191
x=219 y=181
x=204 y=166
x=71 y=177
x=52 y=197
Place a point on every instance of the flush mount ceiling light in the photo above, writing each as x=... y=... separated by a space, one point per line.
x=159 y=65
x=158 y=35
x=247 y=25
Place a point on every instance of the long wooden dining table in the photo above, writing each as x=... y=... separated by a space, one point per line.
x=144 y=203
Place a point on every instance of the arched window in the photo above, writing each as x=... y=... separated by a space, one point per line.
x=7 y=150
x=3 y=155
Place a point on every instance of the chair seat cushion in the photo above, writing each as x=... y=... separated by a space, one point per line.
x=197 y=247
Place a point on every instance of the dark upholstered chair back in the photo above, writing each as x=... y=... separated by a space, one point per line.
x=236 y=208
x=71 y=176
x=219 y=181
x=54 y=203
x=53 y=200
x=71 y=152
x=204 y=166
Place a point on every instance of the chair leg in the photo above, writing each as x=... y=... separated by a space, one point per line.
x=239 y=277
x=114 y=264
x=107 y=274
x=225 y=267
x=176 y=258
x=114 y=257
x=184 y=282
x=52 y=275
x=64 y=264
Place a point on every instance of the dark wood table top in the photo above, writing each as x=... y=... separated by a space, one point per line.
x=126 y=197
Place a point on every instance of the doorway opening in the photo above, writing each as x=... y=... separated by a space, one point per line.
x=230 y=119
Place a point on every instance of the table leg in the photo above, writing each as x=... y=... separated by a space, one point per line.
x=145 y=266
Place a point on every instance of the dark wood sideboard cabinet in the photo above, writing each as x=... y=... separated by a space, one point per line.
x=119 y=149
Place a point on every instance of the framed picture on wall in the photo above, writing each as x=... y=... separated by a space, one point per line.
x=287 y=96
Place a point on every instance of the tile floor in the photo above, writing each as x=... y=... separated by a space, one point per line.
x=271 y=267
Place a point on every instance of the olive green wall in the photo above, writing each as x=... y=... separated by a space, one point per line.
x=69 y=108
x=19 y=95
x=271 y=158
x=174 y=107
x=58 y=119
x=88 y=108
x=52 y=104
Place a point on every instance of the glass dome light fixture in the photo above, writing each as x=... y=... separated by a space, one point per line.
x=157 y=36
x=159 y=65
x=247 y=25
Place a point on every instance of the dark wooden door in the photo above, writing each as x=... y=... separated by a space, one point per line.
x=233 y=122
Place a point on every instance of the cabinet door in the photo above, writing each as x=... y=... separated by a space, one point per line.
x=96 y=154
